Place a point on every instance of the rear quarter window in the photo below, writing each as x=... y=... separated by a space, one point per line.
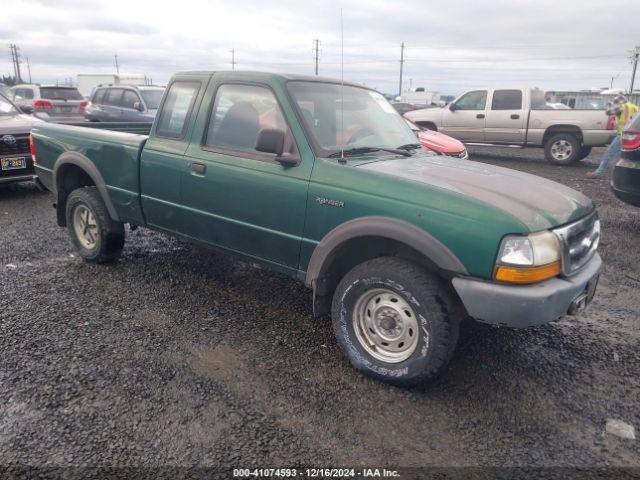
x=176 y=110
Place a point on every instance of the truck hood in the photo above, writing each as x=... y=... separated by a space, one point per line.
x=17 y=124
x=536 y=202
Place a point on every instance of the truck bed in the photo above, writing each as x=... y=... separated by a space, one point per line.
x=115 y=155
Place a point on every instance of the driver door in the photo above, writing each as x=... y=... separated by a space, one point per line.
x=465 y=118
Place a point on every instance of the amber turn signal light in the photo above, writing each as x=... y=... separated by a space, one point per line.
x=526 y=274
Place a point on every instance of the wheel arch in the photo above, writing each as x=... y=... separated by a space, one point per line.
x=562 y=128
x=73 y=170
x=356 y=241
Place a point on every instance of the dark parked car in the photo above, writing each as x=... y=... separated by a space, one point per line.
x=124 y=103
x=16 y=163
x=625 y=181
x=50 y=103
x=403 y=108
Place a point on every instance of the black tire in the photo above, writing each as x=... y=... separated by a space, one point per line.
x=425 y=293
x=562 y=149
x=109 y=234
x=585 y=151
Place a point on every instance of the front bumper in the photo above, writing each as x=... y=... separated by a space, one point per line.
x=521 y=306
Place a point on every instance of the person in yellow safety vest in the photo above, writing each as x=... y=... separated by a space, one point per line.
x=624 y=111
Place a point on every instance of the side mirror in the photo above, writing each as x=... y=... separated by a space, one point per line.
x=270 y=141
x=28 y=109
x=138 y=106
x=452 y=107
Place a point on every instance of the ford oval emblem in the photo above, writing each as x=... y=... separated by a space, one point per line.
x=9 y=139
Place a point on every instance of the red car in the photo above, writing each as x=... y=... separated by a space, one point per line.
x=439 y=142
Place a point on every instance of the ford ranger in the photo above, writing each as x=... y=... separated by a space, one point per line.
x=519 y=117
x=323 y=181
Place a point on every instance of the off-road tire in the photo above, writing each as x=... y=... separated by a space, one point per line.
x=110 y=234
x=570 y=140
x=428 y=296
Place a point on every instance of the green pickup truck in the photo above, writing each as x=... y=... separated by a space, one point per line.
x=323 y=181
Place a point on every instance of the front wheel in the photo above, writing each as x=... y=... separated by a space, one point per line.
x=562 y=149
x=391 y=317
x=95 y=234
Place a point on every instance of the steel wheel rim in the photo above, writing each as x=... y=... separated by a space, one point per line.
x=561 y=150
x=386 y=325
x=85 y=227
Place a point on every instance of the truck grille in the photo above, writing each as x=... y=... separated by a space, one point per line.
x=20 y=146
x=579 y=242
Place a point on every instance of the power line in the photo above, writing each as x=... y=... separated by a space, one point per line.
x=316 y=51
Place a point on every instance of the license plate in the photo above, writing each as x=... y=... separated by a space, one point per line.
x=65 y=109
x=14 y=163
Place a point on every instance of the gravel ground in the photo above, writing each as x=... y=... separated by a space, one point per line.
x=176 y=356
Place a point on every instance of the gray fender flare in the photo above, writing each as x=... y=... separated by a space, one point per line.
x=79 y=160
x=379 y=226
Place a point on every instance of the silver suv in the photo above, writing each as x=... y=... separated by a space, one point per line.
x=50 y=103
x=124 y=103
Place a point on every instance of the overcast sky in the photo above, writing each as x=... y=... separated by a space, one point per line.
x=450 y=46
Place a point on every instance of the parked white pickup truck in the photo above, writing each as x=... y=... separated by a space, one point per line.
x=519 y=117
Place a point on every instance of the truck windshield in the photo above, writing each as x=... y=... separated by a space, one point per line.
x=348 y=118
x=6 y=107
x=152 y=98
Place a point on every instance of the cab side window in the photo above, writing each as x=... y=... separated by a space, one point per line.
x=113 y=97
x=176 y=110
x=240 y=113
x=506 y=100
x=476 y=100
x=129 y=99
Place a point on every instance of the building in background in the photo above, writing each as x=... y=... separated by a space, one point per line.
x=587 y=99
x=87 y=81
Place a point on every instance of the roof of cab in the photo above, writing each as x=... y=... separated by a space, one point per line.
x=261 y=76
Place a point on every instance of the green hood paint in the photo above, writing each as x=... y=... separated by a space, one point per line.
x=536 y=202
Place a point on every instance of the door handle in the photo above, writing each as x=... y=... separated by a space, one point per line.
x=480 y=115
x=198 y=168
x=515 y=116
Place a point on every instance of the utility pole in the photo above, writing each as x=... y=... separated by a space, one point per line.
x=401 y=65
x=233 y=59
x=117 y=64
x=15 y=57
x=316 y=51
x=29 y=69
x=634 y=59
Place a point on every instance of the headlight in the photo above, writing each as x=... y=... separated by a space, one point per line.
x=528 y=259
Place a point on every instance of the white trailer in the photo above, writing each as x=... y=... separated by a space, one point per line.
x=421 y=97
x=87 y=81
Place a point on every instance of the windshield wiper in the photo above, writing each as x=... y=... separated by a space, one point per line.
x=362 y=150
x=409 y=146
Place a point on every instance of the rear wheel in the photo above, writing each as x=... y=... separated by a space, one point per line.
x=562 y=149
x=392 y=318
x=97 y=237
